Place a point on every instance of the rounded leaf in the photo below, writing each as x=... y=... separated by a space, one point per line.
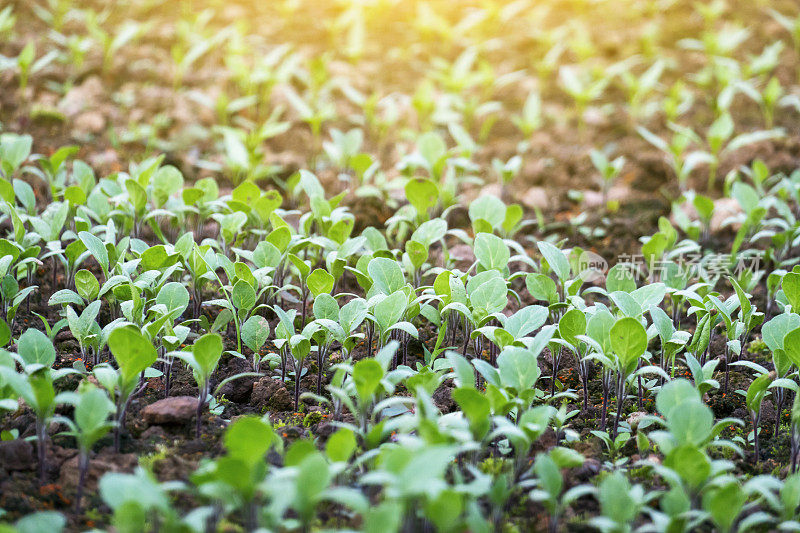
x=628 y=341
x=255 y=331
x=34 y=347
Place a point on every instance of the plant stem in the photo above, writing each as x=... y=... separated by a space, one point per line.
x=320 y=362
x=297 y=369
x=620 y=400
x=41 y=436
x=201 y=400
x=755 y=418
x=83 y=467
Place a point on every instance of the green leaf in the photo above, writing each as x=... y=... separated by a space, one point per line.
x=34 y=347
x=133 y=352
x=488 y=208
x=654 y=248
x=691 y=464
x=167 y=181
x=320 y=282
x=775 y=331
x=266 y=254
x=5 y=333
x=791 y=288
x=96 y=248
x=390 y=310
x=300 y=347
x=267 y=204
x=386 y=274
x=15 y=149
x=620 y=278
x=432 y=148
x=691 y=423
x=341 y=445
x=757 y=391
x=137 y=195
x=91 y=415
x=174 y=296
x=556 y=259
x=674 y=394
x=629 y=341
x=50 y=521
x=518 y=367
x=422 y=194
x=548 y=475
x=255 y=332
x=650 y=295
x=417 y=253
x=526 y=320
x=243 y=296
x=489 y=295
x=474 y=405
x=616 y=501
x=367 y=375
x=491 y=252
x=724 y=503
x=541 y=287
x=325 y=307
x=248 y=439
x=430 y=232
x=86 y=285
x=207 y=350
x=791 y=345
x=246 y=193
x=445 y=510
x=514 y=214
x=302 y=266
x=572 y=324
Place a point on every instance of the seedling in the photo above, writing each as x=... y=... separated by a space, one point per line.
x=134 y=354
x=203 y=360
x=91 y=422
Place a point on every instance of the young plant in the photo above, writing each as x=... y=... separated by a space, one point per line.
x=255 y=332
x=720 y=141
x=506 y=171
x=134 y=354
x=550 y=484
x=754 y=397
x=530 y=118
x=203 y=360
x=234 y=478
x=620 y=503
x=36 y=355
x=629 y=343
x=89 y=424
x=27 y=63
x=609 y=170
x=583 y=86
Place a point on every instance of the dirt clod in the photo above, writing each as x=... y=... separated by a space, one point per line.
x=173 y=410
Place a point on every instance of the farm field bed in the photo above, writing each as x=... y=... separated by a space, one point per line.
x=391 y=265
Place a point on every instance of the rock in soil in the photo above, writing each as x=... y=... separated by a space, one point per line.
x=17 y=454
x=589 y=469
x=635 y=418
x=89 y=123
x=271 y=394
x=724 y=208
x=536 y=198
x=172 y=410
x=238 y=390
x=463 y=254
